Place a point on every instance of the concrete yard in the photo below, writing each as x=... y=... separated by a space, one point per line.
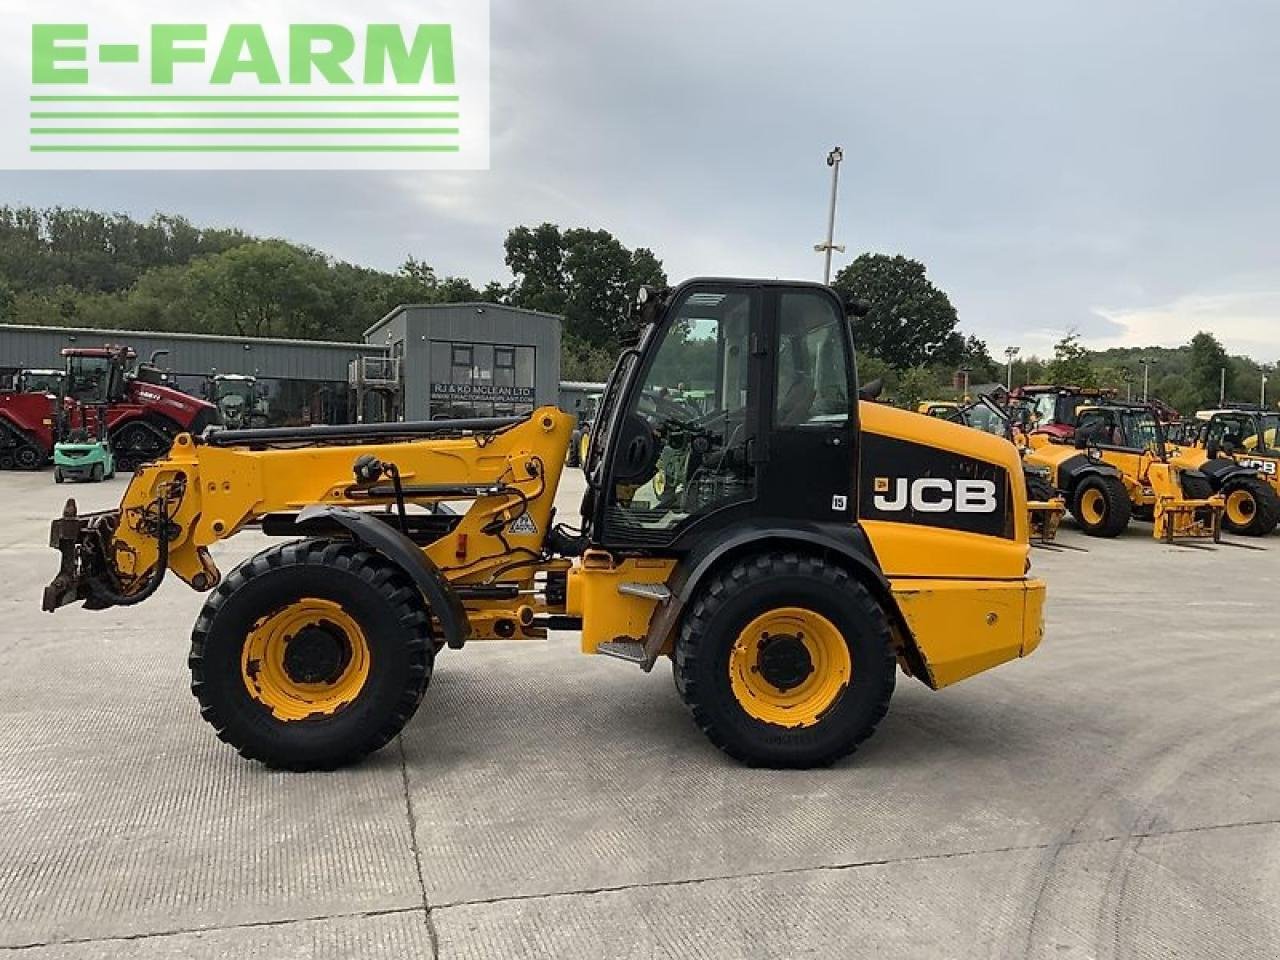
x=1115 y=795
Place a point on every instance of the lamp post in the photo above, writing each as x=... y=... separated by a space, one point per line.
x=1147 y=363
x=1222 y=387
x=1262 y=400
x=1009 y=354
x=1127 y=376
x=964 y=372
x=834 y=159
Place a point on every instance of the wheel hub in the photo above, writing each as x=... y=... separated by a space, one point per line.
x=318 y=653
x=784 y=661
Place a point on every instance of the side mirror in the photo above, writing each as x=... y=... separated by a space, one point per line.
x=872 y=390
x=1213 y=448
x=1082 y=440
x=854 y=306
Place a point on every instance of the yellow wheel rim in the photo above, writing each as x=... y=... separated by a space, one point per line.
x=583 y=445
x=1241 y=508
x=789 y=666
x=1093 y=505
x=307 y=659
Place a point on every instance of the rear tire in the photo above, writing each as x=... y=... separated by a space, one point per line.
x=260 y=703
x=725 y=677
x=1253 y=509
x=1101 y=506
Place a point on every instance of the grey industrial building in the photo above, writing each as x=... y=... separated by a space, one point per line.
x=418 y=362
x=471 y=359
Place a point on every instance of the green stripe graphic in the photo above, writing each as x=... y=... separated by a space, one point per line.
x=243 y=148
x=221 y=131
x=153 y=98
x=236 y=115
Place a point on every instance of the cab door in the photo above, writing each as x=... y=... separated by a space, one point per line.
x=808 y=451
x=681 y=454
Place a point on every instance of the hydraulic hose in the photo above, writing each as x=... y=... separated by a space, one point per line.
x=116 y=597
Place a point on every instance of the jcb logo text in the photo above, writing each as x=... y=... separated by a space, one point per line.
x=935 y=495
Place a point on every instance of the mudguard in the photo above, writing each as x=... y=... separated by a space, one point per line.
x=393 y=546
x=849 y=544
x=1222 y=470
x=1074 y=469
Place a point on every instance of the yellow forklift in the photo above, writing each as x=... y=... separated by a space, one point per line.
x=786 y=547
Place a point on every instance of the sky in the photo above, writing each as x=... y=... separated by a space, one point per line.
x=1106 y=167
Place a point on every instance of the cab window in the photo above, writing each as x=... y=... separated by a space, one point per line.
x=813 y=366
x=88 y=379
x=1231 y=433
x=682 y=440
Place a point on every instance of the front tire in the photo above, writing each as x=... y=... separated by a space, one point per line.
x=311 y=655
x=785 y=661
x=1101 y=505
x=1253 y=509
x=1040 y=489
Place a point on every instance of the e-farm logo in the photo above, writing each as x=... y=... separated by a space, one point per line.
x=121 y=85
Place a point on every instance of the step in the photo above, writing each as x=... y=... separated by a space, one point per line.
x=657 y=592
x=631 y=651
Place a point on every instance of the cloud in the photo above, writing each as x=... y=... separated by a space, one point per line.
x=1246 y=323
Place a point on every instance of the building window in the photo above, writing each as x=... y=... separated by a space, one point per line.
x=481 y=380
x=463 y=355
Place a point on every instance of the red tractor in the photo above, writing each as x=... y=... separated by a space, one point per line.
x=28 y=429
x=144 y=414
x=1051 y=411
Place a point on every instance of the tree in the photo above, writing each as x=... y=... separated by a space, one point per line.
x=1176 y=391
x=914 y=386
x=588 y=276
x=1204 y=375
x=536 y=258
x=263 y=289
x=1071 y=363
x=910 y=319
x=970 y=353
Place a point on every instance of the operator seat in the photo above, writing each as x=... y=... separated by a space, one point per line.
x=797 y=399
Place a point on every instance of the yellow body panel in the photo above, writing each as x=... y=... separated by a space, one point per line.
x=904 y=549
x=963 y=627
x=907 y=549
x=965 y=597
x=607 y=614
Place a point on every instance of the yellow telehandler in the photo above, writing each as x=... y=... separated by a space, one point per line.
x=784 y=545
x=1118 y=466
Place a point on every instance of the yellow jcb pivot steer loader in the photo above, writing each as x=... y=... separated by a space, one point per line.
x=1118 y=466
x=783 y=544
